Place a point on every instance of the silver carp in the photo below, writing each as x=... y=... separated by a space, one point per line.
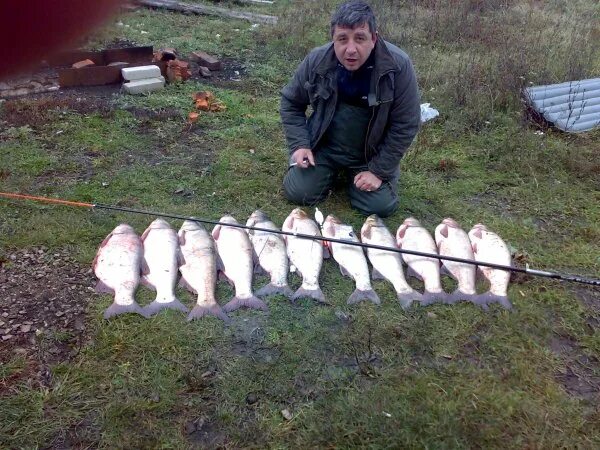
x=305 y=254
x=269 y=255
x=117 y=266
x=452 y=240
x=160 y=266
x=489 y=247
x=386 y=264
x=235 y=252
x=351 y=259
x=199 y=269
x=411 y=235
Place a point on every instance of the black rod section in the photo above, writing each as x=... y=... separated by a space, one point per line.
x=527 y=270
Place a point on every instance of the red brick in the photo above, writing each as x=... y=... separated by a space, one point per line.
x=204 y=59
x=84 y=63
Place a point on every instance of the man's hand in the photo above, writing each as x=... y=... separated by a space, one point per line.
x=367 y=181
x=303 y=158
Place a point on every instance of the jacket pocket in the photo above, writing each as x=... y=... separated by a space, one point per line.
x=316 y=91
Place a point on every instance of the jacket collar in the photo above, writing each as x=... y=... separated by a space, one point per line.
x=384 y=62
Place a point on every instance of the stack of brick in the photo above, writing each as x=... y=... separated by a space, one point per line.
x=142 y=79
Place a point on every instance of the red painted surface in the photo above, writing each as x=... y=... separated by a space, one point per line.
x=33 y=30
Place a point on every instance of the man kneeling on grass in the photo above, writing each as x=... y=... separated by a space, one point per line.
x=365 y=101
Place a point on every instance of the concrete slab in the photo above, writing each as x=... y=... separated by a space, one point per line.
x=140 y=72
x=144 y=86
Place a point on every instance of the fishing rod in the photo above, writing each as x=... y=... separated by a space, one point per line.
x=527 y=270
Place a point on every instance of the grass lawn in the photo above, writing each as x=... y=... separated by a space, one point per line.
x=360 y=376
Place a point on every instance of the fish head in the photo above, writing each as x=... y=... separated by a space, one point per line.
x=411 y=222
x=481 y=226
x=299 y=213
x=441 y=233
x=331 y=219
x=123 y=229
x=296 y=215
x=257 y=216
x=228 y=218
x=450 y=222
x=159 y=224
x=191 y=225
x=373 y=221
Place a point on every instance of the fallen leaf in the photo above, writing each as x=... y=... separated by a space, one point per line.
x=287 y=415
x=193 y=117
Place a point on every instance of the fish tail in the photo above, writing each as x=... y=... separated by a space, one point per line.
x=250 y=302
x=358 y=296
x=102 y=288
x=271 y=289
x=476 y=299
x=116 y=309
x=488 y=298
x=316 y=294
x=408 y=297
x=155 y=307
x=200 y=311
x=434 y=297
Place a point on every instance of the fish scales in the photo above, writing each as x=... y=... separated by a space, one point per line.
x=117 y=265
x=351 y=259
x=199 y=269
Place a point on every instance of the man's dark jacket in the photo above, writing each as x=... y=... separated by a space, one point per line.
x=393 y=100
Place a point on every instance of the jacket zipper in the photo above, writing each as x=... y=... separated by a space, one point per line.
x=373 y=113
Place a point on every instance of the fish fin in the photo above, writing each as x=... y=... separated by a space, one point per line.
x=145 y=234
x=216 y=232
x=358 y=296
x=474 y=247
x=410 y=272
x=367 y=232
x=401 y=233
x=219 y=263
x=315 y=294
x=180 y=258
x=145 y=270
x=102 y=288
x=444 y=271
x=434 y=297
x=408 y=297
x=376 y=275
x=488 y=298
x=288 y=224
x=250 y=302
x=116 y=309
x=259 y=270
x=478 y=233
x=444 y=230
x=184 y=284
x=330 y=229
x=326 y=251
x=222 y=276
x=181 y=237
x=144 y=280
x=459 y=295
x=200 y=311
x=271 y=289
x=155 y=307
x=344 y=272
x=106 y=239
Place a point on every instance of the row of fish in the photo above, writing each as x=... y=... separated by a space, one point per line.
x=161 y=255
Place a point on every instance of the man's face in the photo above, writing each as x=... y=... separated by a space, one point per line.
x=353 y=46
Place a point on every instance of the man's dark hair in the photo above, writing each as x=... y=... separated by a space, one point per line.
x=352 y=14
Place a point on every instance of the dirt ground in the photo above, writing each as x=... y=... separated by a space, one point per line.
x=44 y=296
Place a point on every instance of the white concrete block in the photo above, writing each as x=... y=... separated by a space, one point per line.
x=144 y=86
x=140 y=72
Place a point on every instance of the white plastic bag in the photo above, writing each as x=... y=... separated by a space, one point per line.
x=428 y=113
